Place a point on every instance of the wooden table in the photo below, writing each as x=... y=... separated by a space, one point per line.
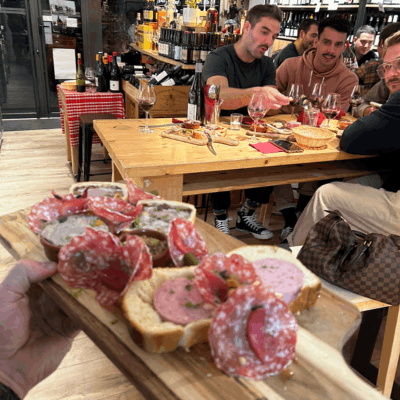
x=318 y=373
x=176 y=169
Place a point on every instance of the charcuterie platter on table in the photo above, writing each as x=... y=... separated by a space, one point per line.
x=220 y=320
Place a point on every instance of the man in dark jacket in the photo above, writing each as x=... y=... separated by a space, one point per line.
x=307 y=37
x=368 y=204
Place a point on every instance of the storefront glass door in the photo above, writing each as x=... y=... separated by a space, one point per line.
x=39 y=41
x=17 y=89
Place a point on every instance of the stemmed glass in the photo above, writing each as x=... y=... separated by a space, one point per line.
x=318 y=94
x=331 y=106
x=295 y=92
x=89 y=74
x=257 y=108
x=146 y=98
x=356 y=97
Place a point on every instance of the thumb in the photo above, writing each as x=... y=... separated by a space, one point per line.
x=27 y=272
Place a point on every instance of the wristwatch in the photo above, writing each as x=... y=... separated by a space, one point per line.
x=6 y=393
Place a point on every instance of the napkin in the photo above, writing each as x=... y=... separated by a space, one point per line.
x=266 y=148
x=176 y=121
x=247 y=120
x=340 y=114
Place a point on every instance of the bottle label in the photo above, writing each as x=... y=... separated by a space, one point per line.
x=150 y=15
x=96 y=80
x=184 y=55
x=168 y=82
x=114 y=86
x=195 y=55
x=161 y=76
x=192 y=110
x=199 y=68
x=203 y=55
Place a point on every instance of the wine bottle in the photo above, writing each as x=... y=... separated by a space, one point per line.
x=379 y=31
x=165 y=75
x=178 y=46
x=211 y=17
x=80 y=76
x=186 y=57
x=196 y=109
x=100 y=76
x=171 y=45
x=195 y=47
x=115 y=75
x=204 y=46
x=350 y=58
x=288 y=25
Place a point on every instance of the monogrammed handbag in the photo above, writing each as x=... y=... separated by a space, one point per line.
x=368 y=265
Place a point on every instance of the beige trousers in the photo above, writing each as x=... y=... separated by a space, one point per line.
x=365 y=207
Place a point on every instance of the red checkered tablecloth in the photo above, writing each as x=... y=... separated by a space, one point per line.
x=88 y=103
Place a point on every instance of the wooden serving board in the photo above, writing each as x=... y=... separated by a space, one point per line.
x=319 y=371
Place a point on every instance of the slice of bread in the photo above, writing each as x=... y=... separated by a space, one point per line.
x=311 y=284
x=147 y=328
x=77 y=188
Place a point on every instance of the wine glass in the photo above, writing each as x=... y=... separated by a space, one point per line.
x=318 y=94
x=331 y=106
x=90 y=76
x=257 y=108
x=295 y=92
x=146 y=98
x=356 y=97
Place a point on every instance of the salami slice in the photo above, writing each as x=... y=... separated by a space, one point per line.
x=135 y=193
x=180 y=302
x=98 y=261
x=117 y=211
x=137 y=252
x=47 y=210
x=54 y=207
x=212 y=270
x=184 y=238
x=238 y=328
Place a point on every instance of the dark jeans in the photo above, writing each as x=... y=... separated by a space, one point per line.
x=222 y=200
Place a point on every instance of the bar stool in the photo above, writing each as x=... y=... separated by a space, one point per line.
x=85 y=143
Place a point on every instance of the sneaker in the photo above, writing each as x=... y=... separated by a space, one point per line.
x=248 y=223
x=286 y=231
x=222 y=225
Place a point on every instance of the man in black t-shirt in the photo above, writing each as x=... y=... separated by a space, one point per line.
x=307 y=37
x=242 y=70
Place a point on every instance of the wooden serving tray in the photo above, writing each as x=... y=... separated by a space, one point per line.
x=319 y=371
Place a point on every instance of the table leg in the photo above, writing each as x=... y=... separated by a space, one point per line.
x=390 y=351
x=75 y=159
x=116 y=175
x=168 y=187
x=67 y=142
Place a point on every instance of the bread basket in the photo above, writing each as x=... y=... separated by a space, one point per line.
x=70 y=85
x=310 y=137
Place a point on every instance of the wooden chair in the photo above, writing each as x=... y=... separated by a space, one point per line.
x=384 y=378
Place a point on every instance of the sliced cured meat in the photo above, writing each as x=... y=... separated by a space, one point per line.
x=283 y=276
x=135 y=193
x=233 y=337
x=184 y=238
x=54 y=207
x=234 y=270
x=138 y=253
x=117 y=211
x=98 y=261
x=178 y=301
x=47 y=210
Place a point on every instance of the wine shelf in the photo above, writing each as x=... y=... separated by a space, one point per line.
x=161 y=58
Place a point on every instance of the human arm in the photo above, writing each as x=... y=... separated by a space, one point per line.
x=375 y=133
x=236 y=98
x=379 y=93
x=35 y=334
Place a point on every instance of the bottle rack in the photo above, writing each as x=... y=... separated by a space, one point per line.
x=156 y=56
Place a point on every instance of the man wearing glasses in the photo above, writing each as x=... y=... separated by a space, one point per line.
x=370 y=204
